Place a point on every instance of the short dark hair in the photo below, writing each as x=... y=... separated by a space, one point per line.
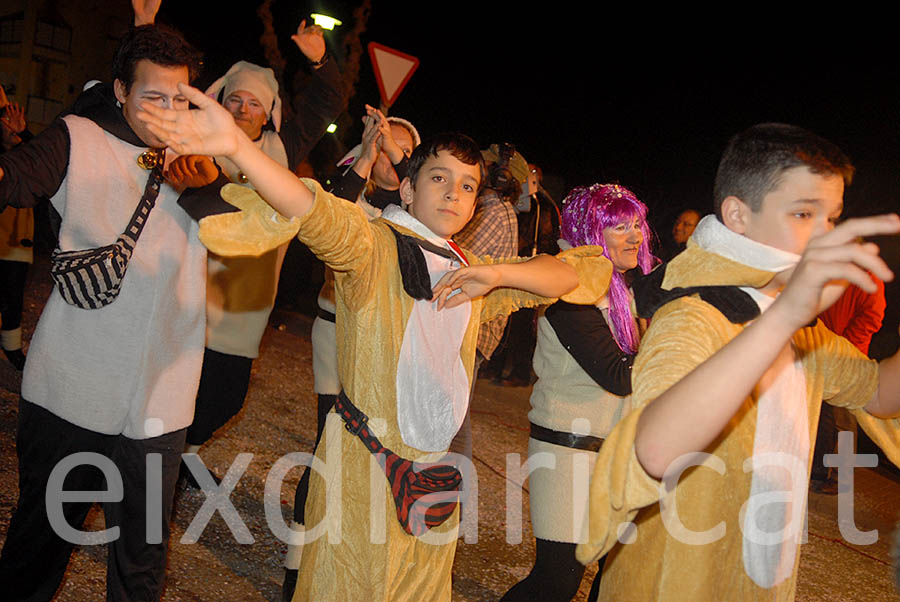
x=157 y=43
x=755 y=159
x=459 y=145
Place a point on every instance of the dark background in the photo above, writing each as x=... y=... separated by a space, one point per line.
x=638 y=95
x=634 y=96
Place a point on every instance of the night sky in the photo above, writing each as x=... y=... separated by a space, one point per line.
x=634 y=96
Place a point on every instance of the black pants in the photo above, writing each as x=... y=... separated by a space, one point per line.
x=224 y=381
x=35 y=556
x=324 y=405
x=555 y=577
x=12 y=291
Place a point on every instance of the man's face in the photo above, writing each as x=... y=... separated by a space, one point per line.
x=249 y=114
x=444 y=194
x=684 y=226
x=153 y=84
x=803 y=205
x=383 y=173
x=623 y=243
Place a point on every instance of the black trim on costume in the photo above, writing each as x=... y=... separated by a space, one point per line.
x=736 y=305
x=585 y=442
x=206 y=200
x=98 y=103
x=413 y=269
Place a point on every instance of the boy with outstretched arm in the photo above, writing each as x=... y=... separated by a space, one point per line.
x=729 y=380
x=407 y=325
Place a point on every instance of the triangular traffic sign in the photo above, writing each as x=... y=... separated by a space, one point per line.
x=392 y=70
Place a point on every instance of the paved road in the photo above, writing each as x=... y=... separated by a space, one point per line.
x=279 y=417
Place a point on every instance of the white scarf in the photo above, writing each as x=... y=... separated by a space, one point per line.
x=773 y=522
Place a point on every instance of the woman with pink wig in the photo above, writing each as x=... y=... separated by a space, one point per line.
x=583 y=361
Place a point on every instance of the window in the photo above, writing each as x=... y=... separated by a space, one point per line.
x=11 y=28
x=57 y=37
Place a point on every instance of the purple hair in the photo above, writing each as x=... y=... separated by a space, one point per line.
x=587 y=210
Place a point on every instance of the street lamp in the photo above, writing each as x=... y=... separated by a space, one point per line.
x=325 y=22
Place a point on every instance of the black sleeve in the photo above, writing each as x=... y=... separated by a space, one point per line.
x=402 y=168
x=350 y=184
x=381 y=198
x=316 y=107
x=35 y=169
x=206 y=200
x=584 y=333
x=347 y=185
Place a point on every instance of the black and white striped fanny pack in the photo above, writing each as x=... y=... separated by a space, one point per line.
x=91 y=278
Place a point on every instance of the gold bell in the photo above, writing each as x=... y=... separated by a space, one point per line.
x=242 y=178
x=148 y=159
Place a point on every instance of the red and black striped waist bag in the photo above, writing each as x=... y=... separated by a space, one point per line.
x=425 y=494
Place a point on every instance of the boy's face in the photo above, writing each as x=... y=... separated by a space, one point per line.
x=444 y=194
x=153 y=84
x=803 y=205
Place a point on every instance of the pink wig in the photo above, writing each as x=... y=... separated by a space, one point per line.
x=587 y=210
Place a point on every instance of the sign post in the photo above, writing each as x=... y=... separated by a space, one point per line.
x=392 y=71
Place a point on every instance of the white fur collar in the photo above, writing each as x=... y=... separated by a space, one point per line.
x=396 y=215
x=713 y=236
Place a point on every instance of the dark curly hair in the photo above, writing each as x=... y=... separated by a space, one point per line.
x=157 y=43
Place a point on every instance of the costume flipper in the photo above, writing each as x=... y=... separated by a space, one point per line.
x=251 y=231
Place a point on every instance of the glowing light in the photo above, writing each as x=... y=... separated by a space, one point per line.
x=325 y=22
x=332 y=128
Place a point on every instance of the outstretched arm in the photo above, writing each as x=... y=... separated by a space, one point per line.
x=210 y=130
x=886 y=403
x=692 y=413
x=542 y=275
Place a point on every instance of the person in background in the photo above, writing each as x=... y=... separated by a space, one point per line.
x=856 y=316
x=241 y=290
x=16 y=242
x=538 y=222
x=583 y=361
x=681 y=231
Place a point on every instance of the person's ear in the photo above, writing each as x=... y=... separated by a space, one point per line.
x=406 y=192
x=735 y=214
x=119 y=90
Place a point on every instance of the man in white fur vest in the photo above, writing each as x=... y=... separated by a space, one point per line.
x=108 y=393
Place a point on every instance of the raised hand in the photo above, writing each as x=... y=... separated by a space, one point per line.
x=472 y=282
x=14 y=119
x=369 y=147
x=310 y=41
x=145 y=11
x=829 y=262
x=191 y=171
x=207 y=130
x=387 y=142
